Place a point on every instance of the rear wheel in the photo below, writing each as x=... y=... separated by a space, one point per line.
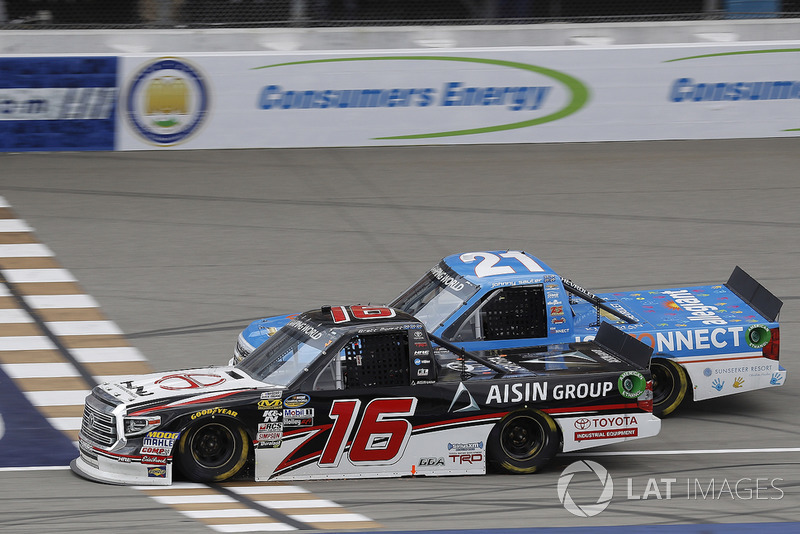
x=522 y=442
x=212 y=450
x=670 y=384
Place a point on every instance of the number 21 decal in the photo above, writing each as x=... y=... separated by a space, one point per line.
x=381 y=437
x=488 y=264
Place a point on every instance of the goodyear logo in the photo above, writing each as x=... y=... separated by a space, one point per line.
x=451 y=94
x=167 y=101
x=214 y=411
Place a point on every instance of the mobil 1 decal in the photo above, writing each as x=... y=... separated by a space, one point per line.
x=470 y=95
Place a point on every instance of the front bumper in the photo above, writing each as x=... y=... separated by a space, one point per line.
x=588 y=431
x=109 y=471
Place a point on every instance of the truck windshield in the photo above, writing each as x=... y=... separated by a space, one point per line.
x=284 y=356
x=435 y=296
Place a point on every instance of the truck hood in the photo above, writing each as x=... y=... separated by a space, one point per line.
x=196 y=383
x=259 y=330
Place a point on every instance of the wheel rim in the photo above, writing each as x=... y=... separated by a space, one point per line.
x=213 y=445
x=663 y=385
x=522 y=437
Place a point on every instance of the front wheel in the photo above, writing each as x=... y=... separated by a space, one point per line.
x=212 y=451
x=670 y=383
x=523 y=441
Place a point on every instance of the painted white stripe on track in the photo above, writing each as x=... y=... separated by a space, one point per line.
x=304 y=503
x=10 y=316
x=230 y=512
x=329 y=518
x=266 y=490
x=60 y=301
x=21 y=276
x=65 y=423
x=263 y=527
x=35 y=468
x=4 y=292
x=189 y=499
x=14 y=225
x=40 y=370
x=83 y=328
x=57 y=398
x=25 y=250
x=26 y=343
x=176 y=486
x=4 y=203
x=107 y=354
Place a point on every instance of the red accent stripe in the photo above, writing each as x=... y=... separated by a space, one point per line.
x=719 y=359
x=604 y=408
x=462 y=420
x=188 y=403
x=286 y=463
x=304 y=429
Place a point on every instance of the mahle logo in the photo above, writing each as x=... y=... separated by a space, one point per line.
x=451 y=94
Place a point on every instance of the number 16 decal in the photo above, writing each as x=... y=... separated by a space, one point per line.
x=381 y=437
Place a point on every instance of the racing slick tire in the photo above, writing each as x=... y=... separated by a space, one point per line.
x=670 y=384
x=522 y=442
x=212 y=450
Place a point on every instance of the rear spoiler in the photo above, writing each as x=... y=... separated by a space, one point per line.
x=757 y=296
x=618 y=342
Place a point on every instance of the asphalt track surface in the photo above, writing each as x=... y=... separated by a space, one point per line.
x=182 y=249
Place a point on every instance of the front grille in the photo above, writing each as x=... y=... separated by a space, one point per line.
x=240 y=352
x=99 y=424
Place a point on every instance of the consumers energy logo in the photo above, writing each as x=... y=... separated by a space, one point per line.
x=167 y=101
x=449 y=93
x=585 y=510
x=747 y=89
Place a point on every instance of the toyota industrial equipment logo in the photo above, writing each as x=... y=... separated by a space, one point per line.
x=583 y=423
x=585 y=510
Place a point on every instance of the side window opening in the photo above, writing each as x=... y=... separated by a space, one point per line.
x=376 y=360
x=508 y=313
x=330 y=378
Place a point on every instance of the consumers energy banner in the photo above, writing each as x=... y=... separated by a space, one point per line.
x=481 y=96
